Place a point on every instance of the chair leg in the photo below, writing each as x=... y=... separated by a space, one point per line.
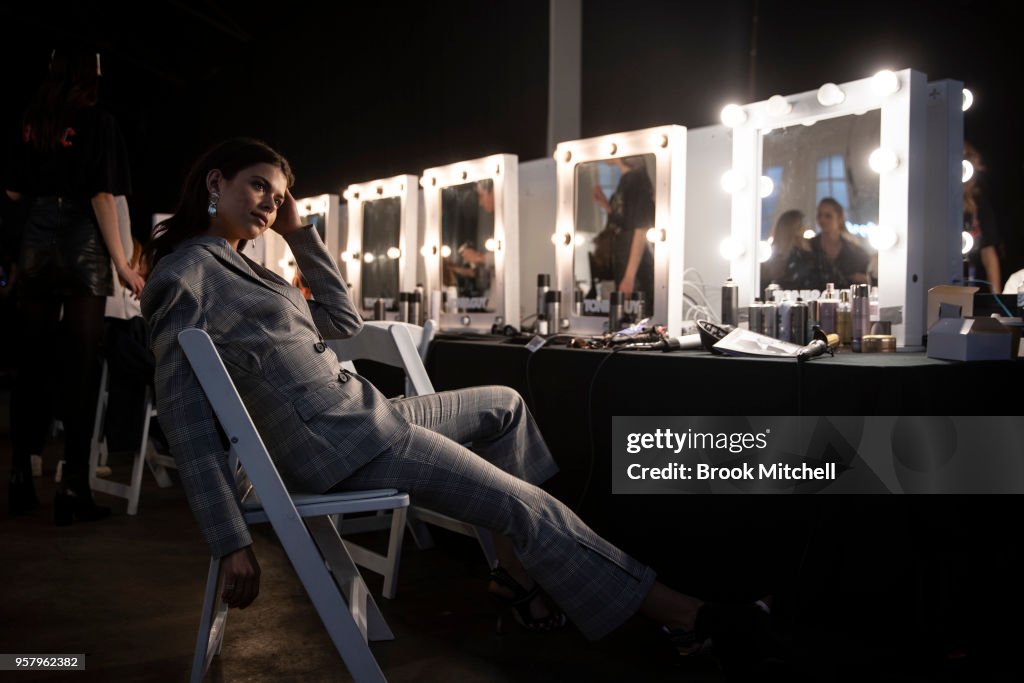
x=394 y=556
x=362 y=606
x=98 y=446
x=212 y=622
x=155 y=463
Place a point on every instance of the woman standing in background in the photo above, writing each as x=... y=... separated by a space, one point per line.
x=69 y=165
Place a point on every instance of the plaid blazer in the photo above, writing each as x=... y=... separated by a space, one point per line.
x=319 y=423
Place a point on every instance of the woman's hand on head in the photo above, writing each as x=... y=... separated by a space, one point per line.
x=288 y=219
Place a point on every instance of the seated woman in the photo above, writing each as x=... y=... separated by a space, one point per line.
x=792 y=264
x=841 y=260
x=331 y=430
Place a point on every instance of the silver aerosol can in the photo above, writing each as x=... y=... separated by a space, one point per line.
x=730 y=303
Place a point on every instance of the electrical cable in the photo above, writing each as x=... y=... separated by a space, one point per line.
x=995 y=294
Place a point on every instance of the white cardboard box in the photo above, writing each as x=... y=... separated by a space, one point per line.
x=970 y=339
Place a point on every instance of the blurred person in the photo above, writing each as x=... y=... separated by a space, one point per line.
x=67 y=169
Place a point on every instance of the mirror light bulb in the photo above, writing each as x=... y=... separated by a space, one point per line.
x=966 y=242
x=656 y=235
x=968 y=171
x=830 y=94
x=394 y=252
x=765 y=187
x=346 y=257
x=882 y=237
x=491 y=244
x=426 y=251
x=369 y=258
x=733 y=181
x=968 y=99
x=446 y=251
x=733 y=115
x=884 y=83
x=730 y=249
x=883 y=160
x=764 y=251
x=809 y=234
x=778 y=106
x=578 y=239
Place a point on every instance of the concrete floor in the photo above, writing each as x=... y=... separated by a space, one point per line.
x=127 y=592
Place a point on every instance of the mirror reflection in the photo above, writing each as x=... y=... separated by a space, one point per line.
x=467 y=244
x=614 y=211
x=382 y=228
x=823 y=203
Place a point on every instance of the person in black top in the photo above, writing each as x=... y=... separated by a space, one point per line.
x=70 y=163
x=840 y=259
x=631 y=215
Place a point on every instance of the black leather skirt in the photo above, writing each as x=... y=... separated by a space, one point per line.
x=62 y=251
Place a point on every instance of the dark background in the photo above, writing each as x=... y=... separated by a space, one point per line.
x=351 y=92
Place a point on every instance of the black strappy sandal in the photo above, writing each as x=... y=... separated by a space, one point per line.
x=520 y=604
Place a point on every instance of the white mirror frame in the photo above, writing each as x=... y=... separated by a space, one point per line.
x=274 y=253
x=900 y=192
x=405 y=188
x=503 y=171
x=668 y=145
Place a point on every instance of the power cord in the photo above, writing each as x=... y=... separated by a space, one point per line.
x=590 y=428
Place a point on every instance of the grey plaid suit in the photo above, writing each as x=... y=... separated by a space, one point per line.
x=329 y=429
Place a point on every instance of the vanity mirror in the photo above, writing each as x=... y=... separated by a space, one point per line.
x=620 y=216
x=380 y=257
x=860 y=144
x=470 y=251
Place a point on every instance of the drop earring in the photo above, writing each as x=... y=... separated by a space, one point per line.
x=212 y=208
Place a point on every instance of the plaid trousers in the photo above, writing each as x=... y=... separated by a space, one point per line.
x=494 y=486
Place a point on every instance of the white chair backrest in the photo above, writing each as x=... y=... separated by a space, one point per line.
x=247 y=446
x=391 y=343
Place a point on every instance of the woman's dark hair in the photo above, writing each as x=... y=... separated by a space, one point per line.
x=72 y=85
x=191 y=218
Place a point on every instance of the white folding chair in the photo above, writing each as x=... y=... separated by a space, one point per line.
x=305 y=527
x=146 y=453
x=404 y=345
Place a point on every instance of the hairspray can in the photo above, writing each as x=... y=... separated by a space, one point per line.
x=416 y=307
x=827 y=310
x=783 y=329
x=798 y=322
x=403 y=307
x=615 y=312
x=769 y=292
x=543 y=287
x=861 y=314
x=730 y=303
x=770 y=320
x=577 y=301
x=419 y=297
x=380 y=309
x=553 y=310
x=755 y=316
x=844 y=318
